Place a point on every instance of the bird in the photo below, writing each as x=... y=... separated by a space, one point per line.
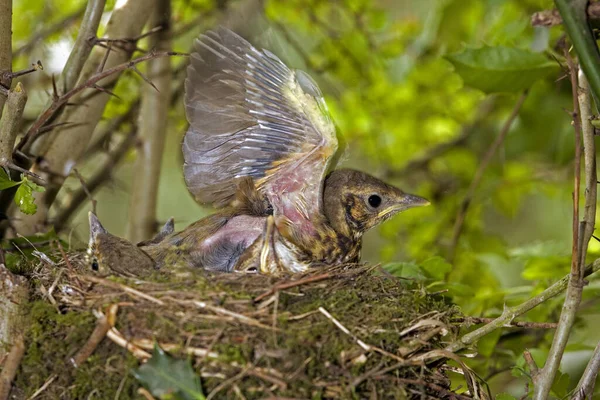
x=108 y=254
x=253 y=119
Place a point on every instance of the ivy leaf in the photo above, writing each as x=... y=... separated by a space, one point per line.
x=24 y=196
x=436 y=267
x=5 y=181
x=169 y=378
x=405 y=270
x=501 y=69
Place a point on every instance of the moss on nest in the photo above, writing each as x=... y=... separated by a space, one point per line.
x=284 y=344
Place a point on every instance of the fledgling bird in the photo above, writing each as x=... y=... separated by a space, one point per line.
x=109 y=254
x=251 y=117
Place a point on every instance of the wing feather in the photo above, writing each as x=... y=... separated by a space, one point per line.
x=250 y=115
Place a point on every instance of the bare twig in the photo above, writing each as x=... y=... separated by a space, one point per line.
x=516 y=324
x=9 y=125
x=582 y=233
x=153 y=128
x=47 y=383
x=100 y=331
x=62 y=100
x=511 y=313
x=5 y=48
x=487 y=158
x=585 y=387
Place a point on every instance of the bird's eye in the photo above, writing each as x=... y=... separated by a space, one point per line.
x=374 y=200
x=95 y=265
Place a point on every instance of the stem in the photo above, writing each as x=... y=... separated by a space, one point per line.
x=5 y=48
x=581 y=234
x=153 y=122
x=585 y=387
x=10 y=122
x=574 y=15
x=512 y=312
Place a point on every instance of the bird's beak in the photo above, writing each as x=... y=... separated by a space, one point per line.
x=405 y=202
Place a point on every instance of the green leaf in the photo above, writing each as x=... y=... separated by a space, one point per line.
x=169 y=378
x=405 y=270
x=501 y=69
x=24 y=196
x=436 y=267
x=5 y=181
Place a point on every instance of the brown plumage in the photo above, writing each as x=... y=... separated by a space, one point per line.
x=259 y=146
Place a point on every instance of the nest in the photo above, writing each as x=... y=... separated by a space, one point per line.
x=349 y=331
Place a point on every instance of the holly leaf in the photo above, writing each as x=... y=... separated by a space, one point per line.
x=24 y=196
x=5 y=181
x=501 y=69
x=169 y=378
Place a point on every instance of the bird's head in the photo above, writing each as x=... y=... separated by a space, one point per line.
x=355 y=202
x=110 y=254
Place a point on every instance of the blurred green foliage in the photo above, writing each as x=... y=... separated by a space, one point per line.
x=401 y=78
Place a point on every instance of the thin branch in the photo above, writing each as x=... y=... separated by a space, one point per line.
x=62 y=100
x=510 y=313
x=582 y=233
x=585 y=387
x=5 y=48
x=487 y=158
x=10 y=123
x=516 y=324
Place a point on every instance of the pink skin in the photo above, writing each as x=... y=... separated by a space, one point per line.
x=240 y=229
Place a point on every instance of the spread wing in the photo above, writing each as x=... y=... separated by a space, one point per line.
x=250 y=115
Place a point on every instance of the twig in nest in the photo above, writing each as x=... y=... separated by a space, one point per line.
x=221 y=311
x=100 y=331
x=148 y=344
x=120 y=286
x=116 y=336
x=11 y=365
x=43 y=387
x=363 y=345
x=299 y=282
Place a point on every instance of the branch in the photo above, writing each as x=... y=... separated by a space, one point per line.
x=511 y=313
x=574 y=15
x=5 y=48
x=82 y=47
x=552 y=17
x=585 y=387
x=582 y=233
x=9 y=124
x=61 y=151
x=487 y=158
x=90 y=83
x=153 y=122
